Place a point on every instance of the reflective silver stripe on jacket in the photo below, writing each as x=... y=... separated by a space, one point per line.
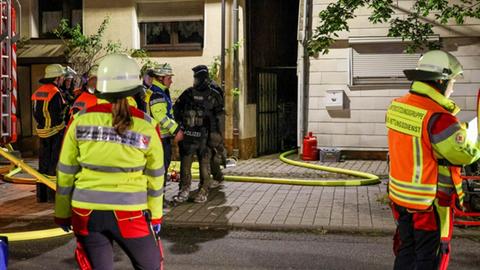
x=111 y=169
x=155 y=193
x=108 y=134
x=164 y=120
x=157 y=100
x=436 y=138
x=169 y=126
x=105 y=197
x=64 y=190
x=68 y=169
x=155 y=173
x=147 y=118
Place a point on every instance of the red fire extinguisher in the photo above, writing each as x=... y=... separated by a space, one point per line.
x=310 y=151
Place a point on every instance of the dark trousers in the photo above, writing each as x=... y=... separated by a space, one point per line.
x=187 y=153
x=48 y=155
x=167 y=155
x=419 y=240
x=103 y=229
x=218 y=155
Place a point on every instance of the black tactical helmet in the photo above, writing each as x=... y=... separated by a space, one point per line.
x=200 y=71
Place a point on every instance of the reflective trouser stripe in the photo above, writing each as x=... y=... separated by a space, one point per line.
x=105 y=197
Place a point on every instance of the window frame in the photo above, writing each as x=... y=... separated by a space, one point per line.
x=174 y=45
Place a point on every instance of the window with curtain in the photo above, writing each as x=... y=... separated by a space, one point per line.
x=51 y=12
x=171 y=26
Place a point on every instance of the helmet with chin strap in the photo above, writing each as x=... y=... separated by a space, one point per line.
x=118 y=77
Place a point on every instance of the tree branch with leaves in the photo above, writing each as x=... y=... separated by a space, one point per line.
x=411 y=26
x=83 y=51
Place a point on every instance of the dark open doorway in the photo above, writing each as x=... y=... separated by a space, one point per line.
x=272 y=55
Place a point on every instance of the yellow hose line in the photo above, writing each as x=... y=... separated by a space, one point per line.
x=26 y=168
x=369 y=179
x=20 y=180
x=34 y=235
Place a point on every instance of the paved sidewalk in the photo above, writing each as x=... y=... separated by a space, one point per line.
x=247 y=205
x=267 y=206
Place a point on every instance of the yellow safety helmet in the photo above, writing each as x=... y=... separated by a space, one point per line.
x=118 y=77
x=435 y=65
x=53 y=71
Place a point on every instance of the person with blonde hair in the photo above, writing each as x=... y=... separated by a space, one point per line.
x=111 y=174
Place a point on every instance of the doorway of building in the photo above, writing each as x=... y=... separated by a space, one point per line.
x=272 y=55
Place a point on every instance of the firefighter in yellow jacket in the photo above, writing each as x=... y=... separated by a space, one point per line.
x=428 y=148
x=111 y=174
x=49 y=108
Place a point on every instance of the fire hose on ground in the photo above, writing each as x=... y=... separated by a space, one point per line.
x=367 y=179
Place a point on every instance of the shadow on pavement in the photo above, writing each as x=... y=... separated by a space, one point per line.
x=189 y=240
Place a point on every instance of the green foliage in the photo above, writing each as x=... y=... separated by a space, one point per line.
x=84 y=51
x=412 y=27
x=236 y=92
x=214 y=68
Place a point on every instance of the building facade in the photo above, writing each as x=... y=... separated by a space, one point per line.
x=347 y=91
x=260 y=74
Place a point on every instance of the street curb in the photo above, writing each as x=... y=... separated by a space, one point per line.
x=458 y=232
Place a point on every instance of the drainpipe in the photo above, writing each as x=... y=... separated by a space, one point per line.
x=222 y=50
x=236 y=84
x=302 y=73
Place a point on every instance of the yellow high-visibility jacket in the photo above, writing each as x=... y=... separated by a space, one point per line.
x=101 y=170
x=160 y=107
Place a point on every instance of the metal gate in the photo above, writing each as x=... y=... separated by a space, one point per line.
x=276 y=109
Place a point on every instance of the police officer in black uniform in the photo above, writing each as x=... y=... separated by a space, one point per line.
x=216 y=143
x=198 y=110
